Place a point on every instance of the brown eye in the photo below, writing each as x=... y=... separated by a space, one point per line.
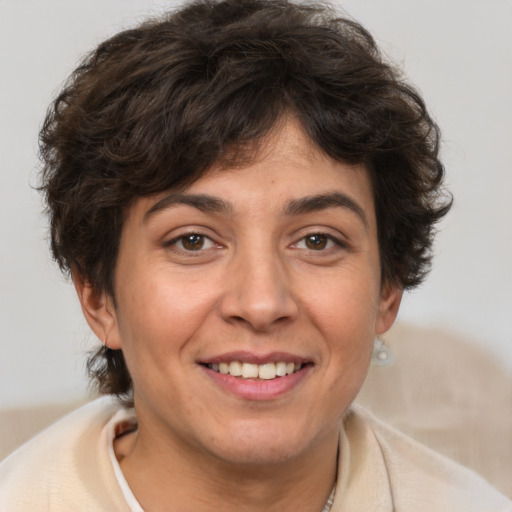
x=192 y=242
x=316 y=242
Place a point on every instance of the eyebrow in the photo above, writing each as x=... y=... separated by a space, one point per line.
x=308 y=204
x=204 y=203
x=320 y=202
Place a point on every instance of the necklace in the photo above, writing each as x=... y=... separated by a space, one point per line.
x=330 y=500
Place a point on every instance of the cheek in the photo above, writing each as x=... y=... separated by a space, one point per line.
x=346 y=318
x=160 y=312
x=346 y=309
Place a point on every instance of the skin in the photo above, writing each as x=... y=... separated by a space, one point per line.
x=267 y=275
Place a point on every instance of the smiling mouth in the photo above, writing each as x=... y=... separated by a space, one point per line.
x=267 y=371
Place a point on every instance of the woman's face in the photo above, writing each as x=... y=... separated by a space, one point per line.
x=267 y=269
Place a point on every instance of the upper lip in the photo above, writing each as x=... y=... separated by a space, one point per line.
x=253 y=358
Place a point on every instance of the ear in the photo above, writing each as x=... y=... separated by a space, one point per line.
x=99 y=311
x=390 y=298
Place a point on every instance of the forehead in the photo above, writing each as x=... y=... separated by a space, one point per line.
x=286 y=167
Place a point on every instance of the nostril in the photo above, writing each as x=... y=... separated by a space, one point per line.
x=259 y=322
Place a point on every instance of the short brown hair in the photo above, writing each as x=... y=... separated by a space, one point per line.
x=154 y=107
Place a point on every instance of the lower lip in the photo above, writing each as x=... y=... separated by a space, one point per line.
x=258 y=390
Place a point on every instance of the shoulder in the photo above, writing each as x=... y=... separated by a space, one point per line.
x=67 y=461
x=421 y=479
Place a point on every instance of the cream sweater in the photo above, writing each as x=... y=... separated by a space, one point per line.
x=68 y=468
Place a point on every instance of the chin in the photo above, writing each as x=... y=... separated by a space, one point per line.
x=251 y=453
x=265 y=442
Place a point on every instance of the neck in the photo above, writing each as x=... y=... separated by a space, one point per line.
x=190 y=480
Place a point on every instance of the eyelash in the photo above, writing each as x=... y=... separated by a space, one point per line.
x=179 y=240
x=330 y=242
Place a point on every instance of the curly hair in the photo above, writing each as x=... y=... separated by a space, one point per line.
x=154 y=107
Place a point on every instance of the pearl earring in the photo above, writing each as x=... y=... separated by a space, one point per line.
x=381 y=355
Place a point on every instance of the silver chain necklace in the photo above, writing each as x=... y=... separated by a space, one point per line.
x=330 y=500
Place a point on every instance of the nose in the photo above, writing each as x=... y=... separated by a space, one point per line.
x=257 y=292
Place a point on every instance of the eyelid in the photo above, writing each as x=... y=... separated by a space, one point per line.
x=337 y=238
x=199 y=231
x=208 y=243
x=329 y=238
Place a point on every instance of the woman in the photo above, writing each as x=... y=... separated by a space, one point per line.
x=241 y=191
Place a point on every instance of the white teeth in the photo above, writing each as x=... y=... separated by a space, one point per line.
x=235 y=368
x=249 y=370
x=265 y=371
x=281 y=369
